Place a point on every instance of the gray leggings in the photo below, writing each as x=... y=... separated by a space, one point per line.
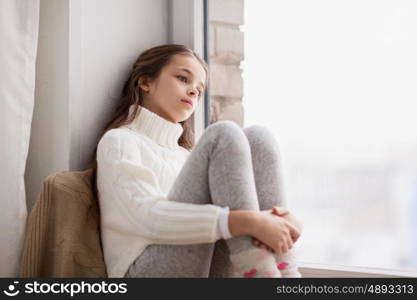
x=229 y=166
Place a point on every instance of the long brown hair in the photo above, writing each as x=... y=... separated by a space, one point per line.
x=148 y=65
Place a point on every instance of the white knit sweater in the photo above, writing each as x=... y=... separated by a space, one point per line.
x=136 y=167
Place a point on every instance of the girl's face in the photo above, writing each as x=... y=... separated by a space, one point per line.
x=173 y=95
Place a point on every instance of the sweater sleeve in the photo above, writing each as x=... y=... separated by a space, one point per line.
x=223 y=223
x=140 y=201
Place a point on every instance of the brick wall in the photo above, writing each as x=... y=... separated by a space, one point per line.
x=226 y=53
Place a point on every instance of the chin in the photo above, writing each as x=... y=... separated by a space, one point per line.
x=182 y=120
x=184 y=117
x=178 y=118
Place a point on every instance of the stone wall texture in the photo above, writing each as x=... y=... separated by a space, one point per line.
x=226 y=53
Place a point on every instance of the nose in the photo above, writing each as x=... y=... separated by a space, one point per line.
x=193 y=91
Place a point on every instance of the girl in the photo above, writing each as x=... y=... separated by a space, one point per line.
x=167 y=211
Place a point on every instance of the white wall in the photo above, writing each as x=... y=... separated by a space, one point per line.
x=85 y=51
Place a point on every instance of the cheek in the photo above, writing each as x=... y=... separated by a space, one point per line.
x=177 y=89
x=178 y=86
x=168 y=90
x=169 y=86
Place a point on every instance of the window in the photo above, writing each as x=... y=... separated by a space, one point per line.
x=186 y=26
x=335 y=82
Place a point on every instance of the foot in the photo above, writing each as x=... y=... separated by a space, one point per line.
x=255 y=263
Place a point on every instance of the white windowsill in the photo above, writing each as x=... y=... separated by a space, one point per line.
x=310 y=270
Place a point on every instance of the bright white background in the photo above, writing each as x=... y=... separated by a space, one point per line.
x=336 y=83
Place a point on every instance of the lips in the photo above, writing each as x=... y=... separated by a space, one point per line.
x=187 y=101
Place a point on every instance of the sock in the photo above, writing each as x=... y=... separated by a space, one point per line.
x=287 y=265
x=255 y=263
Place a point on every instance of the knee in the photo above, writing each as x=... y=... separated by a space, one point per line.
x=254 y=130
x=225 y=124
x=225 y=127
x=258 y=132
x=227 y=131
x=260 y=136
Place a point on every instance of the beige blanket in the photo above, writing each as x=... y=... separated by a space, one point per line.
x=62 y=232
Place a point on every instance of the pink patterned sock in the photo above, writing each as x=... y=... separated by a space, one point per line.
x=287 y=265
x=255 y=263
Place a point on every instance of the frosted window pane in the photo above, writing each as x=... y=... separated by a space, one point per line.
x=336 y=83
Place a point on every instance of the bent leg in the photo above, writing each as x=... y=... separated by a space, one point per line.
x=267 y=167
x=218 y=171
x=268 y=172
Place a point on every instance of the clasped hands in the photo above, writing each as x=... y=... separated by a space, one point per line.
x=287 y=230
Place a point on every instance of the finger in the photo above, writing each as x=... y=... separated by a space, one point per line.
x=290 y=243
x=295 y=239
x=277 y=251
x=294 y=232
x=280 y=210
x=275 y=210
x=284 y=249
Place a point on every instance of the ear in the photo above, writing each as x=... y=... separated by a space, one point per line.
x=144 y=84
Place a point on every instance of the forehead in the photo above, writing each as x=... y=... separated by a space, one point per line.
x=179 y=62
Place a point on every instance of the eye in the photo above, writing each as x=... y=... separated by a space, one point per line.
x=180 y=77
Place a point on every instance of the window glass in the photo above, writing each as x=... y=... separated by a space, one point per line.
x=336 y=83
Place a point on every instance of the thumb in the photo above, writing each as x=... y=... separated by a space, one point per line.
x=279 y=210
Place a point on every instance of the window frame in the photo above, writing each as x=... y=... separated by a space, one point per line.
x=187 y=26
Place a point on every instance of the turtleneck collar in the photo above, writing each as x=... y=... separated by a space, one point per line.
x=162 y=131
